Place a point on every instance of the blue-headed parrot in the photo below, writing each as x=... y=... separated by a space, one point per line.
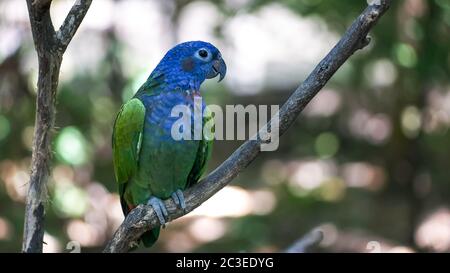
x=150 y=165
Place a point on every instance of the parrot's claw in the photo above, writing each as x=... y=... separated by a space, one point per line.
x=178 y=198
x=160 y=209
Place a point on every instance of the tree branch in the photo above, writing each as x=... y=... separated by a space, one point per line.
x=309 y=240
x=143 y=218
x=72 y=22
x=39 y=4
x=49 y=58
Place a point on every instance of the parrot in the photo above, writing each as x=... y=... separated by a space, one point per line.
x=150 y=165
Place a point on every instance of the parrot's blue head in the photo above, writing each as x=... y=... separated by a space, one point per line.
x=188 y=64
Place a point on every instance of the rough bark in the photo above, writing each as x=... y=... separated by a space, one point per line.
x=50 y=47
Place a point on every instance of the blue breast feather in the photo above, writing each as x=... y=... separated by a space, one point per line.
x=159 y=108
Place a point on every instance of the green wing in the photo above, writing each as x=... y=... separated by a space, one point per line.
x=203 y=153
x=126 y=142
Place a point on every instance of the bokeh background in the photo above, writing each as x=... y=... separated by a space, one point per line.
x=368 y=160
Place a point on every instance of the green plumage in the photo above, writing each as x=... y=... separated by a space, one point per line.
x=146 y=162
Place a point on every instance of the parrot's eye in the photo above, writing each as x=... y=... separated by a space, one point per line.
x=203 y=54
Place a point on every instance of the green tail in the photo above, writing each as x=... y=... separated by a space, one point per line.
x=150 y=237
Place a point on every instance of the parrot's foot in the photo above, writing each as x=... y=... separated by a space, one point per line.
x=178 y=198
x=160 y=209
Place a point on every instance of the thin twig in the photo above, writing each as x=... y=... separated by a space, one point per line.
x=302 y=245
x=143 y=218
x=70 y=25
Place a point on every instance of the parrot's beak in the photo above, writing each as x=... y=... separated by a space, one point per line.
x=218 y=67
